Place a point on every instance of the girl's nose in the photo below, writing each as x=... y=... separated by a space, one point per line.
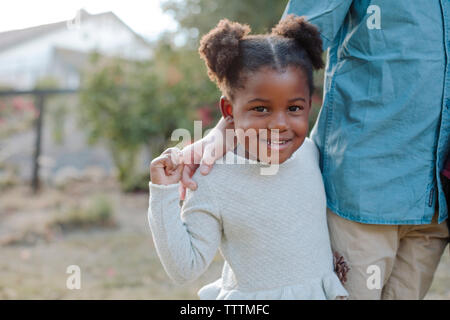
x=278 y=121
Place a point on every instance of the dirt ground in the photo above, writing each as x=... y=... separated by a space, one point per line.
x=116 y=262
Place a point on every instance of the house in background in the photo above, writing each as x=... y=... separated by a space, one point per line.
x=60 y=50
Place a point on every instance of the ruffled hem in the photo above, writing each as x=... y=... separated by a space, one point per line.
x=326 y=288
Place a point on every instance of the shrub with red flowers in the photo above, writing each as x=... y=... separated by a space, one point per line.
x=17 y=114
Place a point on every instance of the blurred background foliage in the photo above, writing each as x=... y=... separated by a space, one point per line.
x=197 y=17
x=129 y=105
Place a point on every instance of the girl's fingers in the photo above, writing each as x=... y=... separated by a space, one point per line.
x=168 y=163
x=186 y=178
x=164 y=163
x=179 y=169
x=176 y=156
x=171 y=159
x=167 y=168
x=160 y=162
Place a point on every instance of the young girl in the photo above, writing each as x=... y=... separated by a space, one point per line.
x=271 y=229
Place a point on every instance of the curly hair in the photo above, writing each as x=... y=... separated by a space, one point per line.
x=230 y=53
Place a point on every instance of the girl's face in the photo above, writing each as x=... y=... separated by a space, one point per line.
x=271 y=101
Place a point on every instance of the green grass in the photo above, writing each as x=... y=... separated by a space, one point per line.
x=98 y=213
x=115 y=263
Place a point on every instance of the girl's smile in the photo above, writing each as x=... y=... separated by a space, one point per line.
x=274 y=105
x=277 y=144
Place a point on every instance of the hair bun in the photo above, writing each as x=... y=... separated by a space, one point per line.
x=220 y=47
x=306 y=34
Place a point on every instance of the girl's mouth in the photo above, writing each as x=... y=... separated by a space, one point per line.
x=277 y=144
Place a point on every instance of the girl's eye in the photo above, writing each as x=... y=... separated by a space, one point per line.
x=295 y=108
x=260 y=109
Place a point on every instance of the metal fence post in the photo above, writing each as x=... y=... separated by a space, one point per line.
x=35 y=183
x=40 y=95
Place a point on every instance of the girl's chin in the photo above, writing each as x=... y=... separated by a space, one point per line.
x=272 y=153
x=273 y=157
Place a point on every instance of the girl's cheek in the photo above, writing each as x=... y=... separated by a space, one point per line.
x=244 y=123
x=249 y=131
x=252 y=122
x=301 y=125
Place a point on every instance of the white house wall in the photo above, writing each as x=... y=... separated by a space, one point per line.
x=105 y=34
x=22 y=64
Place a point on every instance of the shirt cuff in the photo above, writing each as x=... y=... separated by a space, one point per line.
x=161 y=191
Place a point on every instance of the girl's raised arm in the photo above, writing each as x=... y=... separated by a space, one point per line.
x=186 y=243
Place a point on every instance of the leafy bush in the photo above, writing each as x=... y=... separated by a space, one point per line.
x=136 y=183
x=98 y=213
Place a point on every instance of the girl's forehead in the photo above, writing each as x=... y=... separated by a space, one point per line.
x=266 y=75
x=267 y=81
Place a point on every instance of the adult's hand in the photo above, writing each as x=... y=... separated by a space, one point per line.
x=204 y=152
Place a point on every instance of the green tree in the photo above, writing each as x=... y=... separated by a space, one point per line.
x=197 y=17
x=128 y=105
x=121 y=104
x=185 y=80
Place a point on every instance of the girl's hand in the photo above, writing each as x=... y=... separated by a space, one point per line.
x=167 y=168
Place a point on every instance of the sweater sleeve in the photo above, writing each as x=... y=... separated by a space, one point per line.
x=186 y=243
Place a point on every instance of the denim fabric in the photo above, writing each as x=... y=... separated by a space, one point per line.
x=383 y=130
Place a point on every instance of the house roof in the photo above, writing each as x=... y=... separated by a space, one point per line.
x=14 y=37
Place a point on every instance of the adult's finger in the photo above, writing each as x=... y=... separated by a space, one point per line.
x=182 y=191
x=186 y=178
x=175 y=156
x=193 y=153
x=208 y=159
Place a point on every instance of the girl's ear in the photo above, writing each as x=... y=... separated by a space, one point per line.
x=226 y=109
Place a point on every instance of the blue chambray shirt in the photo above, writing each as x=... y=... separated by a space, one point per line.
x=383 y=130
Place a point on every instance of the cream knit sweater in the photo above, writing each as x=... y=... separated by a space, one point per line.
x=271 y=230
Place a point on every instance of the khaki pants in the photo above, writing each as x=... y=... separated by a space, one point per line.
x=403 y=257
